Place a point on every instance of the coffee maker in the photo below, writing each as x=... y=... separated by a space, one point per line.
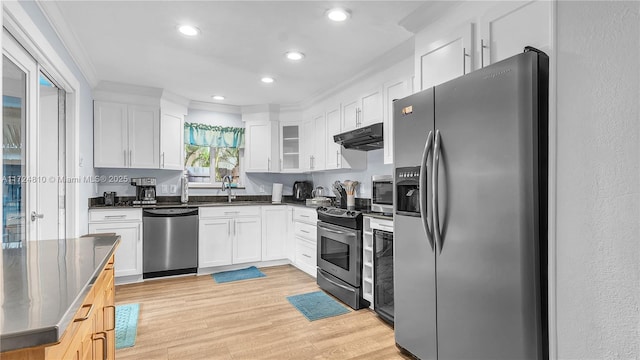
x=145 y=190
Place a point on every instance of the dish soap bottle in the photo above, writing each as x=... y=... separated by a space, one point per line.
x=184 y=195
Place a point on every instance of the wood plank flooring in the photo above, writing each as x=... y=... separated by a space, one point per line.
x=195 y=318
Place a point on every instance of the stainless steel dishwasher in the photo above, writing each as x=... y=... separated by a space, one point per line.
x=170 y=242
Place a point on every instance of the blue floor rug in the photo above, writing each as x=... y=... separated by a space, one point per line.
x=126 y=325
x=317 y=305
x=235 y=275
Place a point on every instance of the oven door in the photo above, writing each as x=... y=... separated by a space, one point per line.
x=340 y=252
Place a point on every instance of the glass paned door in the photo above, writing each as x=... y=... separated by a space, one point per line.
x=19 y=141
x=14 y=96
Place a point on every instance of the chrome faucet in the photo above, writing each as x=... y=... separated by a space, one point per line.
x=227 y=179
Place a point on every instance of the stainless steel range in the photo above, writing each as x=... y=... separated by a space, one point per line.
x=340 y=254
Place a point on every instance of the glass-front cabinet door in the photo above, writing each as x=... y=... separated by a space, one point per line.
x=290 y=147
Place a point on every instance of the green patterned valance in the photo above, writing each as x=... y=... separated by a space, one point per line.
x=216 y=136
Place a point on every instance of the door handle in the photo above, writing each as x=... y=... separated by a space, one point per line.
x=434 y=184
x=125 y=157
x=423 y=191
x=35 y=216
x=163 y=159
x=464 y=60
x=482 y=47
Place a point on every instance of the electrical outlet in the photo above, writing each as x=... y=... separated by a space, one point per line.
x=165 y=188
x=174 y=189
x=261 y=188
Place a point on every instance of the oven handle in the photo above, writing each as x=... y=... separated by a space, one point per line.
x=335 y=283
x=325 y=228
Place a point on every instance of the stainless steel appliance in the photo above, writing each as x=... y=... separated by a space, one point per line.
x=302 y=190
x=170 y=241
x=340 y=255
x=382 y=193
x=383 y=295
x=145 y=190
x=470 y=258
x=363 y=138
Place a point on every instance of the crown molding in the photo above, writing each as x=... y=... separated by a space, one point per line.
x=427 y=14
x=52 y=13
x=385 y=61
x=207 y=106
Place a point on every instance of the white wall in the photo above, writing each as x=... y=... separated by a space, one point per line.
x=598 y=206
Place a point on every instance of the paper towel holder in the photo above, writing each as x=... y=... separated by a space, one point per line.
x=276 y=194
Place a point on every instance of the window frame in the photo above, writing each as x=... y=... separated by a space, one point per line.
x=218 y=184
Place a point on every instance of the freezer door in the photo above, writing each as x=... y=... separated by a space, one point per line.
x=414 y=284
x=412 y=121
x=487 y=275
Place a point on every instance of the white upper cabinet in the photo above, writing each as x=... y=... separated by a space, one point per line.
x=306 y=161
x=333 y=128
x=393 y=90
x=365 y=110
x=144 y=137
x=336 y=156
x=319 y=142
x=110 y=135
x=510 y=26
x=442 y=56
x=171 y=142
x=126 y=135
x=262 y=150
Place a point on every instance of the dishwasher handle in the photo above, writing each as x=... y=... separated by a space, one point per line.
x=170 y=212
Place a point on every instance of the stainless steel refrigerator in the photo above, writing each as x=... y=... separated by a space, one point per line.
x=470 y=214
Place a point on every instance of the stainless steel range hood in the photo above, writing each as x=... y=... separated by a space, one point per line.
x=364 y=138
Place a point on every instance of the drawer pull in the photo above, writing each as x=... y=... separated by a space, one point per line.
x=305 y=231
x=88 y=313
x=231 y=212
x=305 y=216
x=102 y=336
x=308 y=256
x=113 y=318
x=115 y=216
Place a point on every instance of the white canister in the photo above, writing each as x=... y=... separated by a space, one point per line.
x=276 y=193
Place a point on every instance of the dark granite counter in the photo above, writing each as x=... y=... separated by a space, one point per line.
x=44 y=284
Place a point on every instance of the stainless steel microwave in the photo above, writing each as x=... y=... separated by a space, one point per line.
x=382 y=193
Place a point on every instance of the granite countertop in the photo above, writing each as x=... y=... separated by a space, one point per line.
x=44 y=284
x=194 y=202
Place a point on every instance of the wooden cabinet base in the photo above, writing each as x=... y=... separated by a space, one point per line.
x=90 y=335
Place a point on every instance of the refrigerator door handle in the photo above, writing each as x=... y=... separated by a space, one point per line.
x=423 y=191
x=434 y=184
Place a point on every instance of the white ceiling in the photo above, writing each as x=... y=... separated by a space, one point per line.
x=136 y=42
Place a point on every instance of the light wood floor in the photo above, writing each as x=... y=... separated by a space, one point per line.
x=195 y=318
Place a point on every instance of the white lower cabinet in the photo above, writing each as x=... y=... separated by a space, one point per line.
x=214 y=242
x=274 y=232
x=229 y=235
x=247 y=239
x=305 y=239
x=128 y=224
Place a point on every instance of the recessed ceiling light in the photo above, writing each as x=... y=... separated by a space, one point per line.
x=294 y=55
x=189 y=30
x=338 y=14
x=267 y=80
x=218 y=97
